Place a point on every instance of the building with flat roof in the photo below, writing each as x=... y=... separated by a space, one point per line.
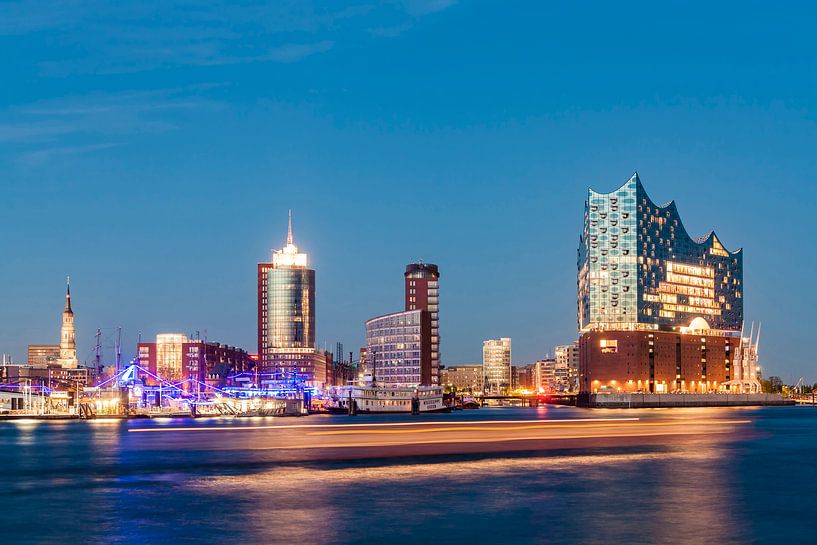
x=567 y=365
x=422 y=292
x=658 y=310
x=524 y=376
x=175 y=357
x=398 y=348
x=43 y=354
x=496 y=365
x=463 y=377
x=544 y=375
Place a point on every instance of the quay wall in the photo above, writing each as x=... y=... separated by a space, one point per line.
x=638 y=401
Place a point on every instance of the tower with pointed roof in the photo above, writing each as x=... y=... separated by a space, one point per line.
x=68 y=344
x=286 y=314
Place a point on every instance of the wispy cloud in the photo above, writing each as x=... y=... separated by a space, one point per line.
x=392 y=31
x=415 y=9
x=100 y=37
x=418 y=8
x=47 y=130
x=296 y=52
x=45 y=155
x=33 y=132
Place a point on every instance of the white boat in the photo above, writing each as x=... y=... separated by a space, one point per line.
x=378 y=399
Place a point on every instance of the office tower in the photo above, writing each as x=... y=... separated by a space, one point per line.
x=422 y=292
x=398 y=350
x=286 y=317
x=496 y=365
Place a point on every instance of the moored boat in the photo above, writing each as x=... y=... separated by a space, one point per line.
x=378 y=399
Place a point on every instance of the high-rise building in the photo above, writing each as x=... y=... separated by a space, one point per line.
x=286 y=316
x=397 y=349
x=640 y=270
x=68 y=343
x=422 y=282
x=658 y=311
x=496 y=365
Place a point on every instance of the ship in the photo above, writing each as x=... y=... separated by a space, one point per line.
x=368 y=397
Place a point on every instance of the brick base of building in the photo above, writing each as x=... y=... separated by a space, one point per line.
x=654 y=362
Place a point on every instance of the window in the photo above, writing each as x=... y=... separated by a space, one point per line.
x=608 y=346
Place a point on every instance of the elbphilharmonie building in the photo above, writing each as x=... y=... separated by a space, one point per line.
x=658 y=310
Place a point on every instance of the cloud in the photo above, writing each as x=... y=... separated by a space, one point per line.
x=100 y=37
x=392 y=31
x=46 y=130
x=33 y=132
x=296 y=52
x=45 y=155
x=418 y=8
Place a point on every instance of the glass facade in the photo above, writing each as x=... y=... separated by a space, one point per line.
x=286 y=307
x=394 y=347
x=496 y=365
x=290 y=308
x=169 y=356
x=639 y=269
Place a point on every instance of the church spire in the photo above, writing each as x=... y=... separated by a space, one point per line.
x=289 y=228
x=68 y=294
x=68 y=343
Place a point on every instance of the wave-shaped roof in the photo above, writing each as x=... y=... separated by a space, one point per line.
x=709 y=240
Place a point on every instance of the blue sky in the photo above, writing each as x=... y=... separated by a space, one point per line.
x=151 y=150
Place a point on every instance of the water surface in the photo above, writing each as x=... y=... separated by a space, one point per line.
x=99 y=482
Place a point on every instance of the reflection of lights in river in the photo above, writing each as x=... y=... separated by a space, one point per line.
x=384 y=424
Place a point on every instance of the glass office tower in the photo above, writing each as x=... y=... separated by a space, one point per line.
x=286 y=314
x=291 y=308
x=496 y=365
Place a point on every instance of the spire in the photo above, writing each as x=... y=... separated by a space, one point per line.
x=68 y=294
x=289 y=228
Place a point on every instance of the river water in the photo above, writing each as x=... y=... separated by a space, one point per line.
x=102 y=482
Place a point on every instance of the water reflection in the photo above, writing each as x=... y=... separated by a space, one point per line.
x=588 y=498
x=94 y=482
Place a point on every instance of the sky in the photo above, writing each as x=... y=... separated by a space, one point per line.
x=151 y=151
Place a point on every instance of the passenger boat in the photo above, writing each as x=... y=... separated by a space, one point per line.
x=380 y=399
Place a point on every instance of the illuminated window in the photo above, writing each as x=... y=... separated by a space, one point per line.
x=608 y=346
